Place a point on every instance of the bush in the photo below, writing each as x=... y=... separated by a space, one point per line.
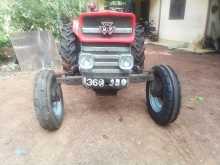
x=3 y=58
x=4 y=41
x=29 y=15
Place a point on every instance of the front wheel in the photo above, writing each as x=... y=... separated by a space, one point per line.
x=163 y=95
x=48 y=100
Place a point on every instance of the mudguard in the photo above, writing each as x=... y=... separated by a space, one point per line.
x=78 y=24
x=76 y=28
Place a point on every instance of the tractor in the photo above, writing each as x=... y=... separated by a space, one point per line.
x=104 y=51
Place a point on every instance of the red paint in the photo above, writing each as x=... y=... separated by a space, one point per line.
x=77 y=26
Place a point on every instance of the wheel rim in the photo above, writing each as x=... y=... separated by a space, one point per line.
x=155 y=102
x=57 y=107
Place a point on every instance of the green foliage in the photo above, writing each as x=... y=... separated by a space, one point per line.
x=4 y=15
x=29 y=15
x=4 y=41
x=115 y=2
x=3 y=58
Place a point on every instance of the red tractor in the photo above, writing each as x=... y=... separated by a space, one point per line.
x=104 y=51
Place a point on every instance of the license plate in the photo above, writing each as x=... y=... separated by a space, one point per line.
x=100 y=83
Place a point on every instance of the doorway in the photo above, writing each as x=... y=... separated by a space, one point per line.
x=213 y=26
x=142 y=10
x=145 y=10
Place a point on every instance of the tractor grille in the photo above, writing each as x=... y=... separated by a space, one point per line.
x=122 y=26
x=106 y=59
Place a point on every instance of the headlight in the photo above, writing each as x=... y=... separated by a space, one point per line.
x=86 y=62
x=126 y=62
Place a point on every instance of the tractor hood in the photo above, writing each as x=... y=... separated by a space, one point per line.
x=105 y=27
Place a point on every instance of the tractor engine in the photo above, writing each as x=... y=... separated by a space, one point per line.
x=105 y=59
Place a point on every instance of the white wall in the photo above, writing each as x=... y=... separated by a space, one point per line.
x=155 y=11
x=188 y=30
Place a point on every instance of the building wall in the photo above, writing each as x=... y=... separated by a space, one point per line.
x=188 y=30
x=155 y=12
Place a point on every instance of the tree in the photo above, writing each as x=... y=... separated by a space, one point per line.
x=4 y=22
x=31 y=15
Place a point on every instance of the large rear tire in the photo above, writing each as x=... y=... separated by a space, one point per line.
x=163 y=95
x=69 y=48
x=48 y=100
x=138 y=49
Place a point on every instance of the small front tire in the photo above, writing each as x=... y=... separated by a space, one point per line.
x=48 y=100
x=163 y=95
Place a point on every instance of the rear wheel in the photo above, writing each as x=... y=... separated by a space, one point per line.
x=48 y=100
x=138 y=49
x=69 y=48
x=163 y=95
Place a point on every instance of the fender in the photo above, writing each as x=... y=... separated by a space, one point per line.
x=76 y=28
x=78 y=24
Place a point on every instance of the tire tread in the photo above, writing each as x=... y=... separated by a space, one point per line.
x=42 y=99
x=172 y=89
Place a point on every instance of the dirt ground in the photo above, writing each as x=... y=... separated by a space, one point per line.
x=117 y=130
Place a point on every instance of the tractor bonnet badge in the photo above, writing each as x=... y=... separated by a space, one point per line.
x=107 y=28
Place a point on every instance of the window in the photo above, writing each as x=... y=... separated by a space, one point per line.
x=177 y=9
